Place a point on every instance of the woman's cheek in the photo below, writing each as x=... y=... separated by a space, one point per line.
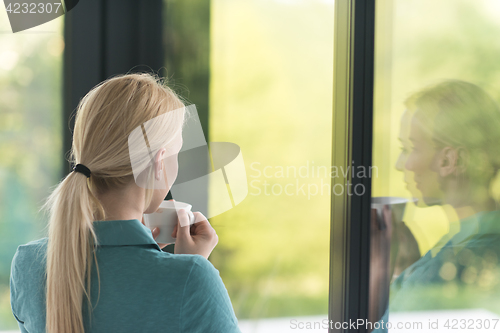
x=400 y=163
x=172 y=169
x=410 y=162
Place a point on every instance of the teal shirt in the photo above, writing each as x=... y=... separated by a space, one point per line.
x=142 y=288
x=421 y=287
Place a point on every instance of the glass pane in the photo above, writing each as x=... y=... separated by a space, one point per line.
x=30 y=138
x=435 y=224
x=271 y=93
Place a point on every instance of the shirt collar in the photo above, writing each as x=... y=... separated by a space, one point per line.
x=481 y=223
x=123 y=232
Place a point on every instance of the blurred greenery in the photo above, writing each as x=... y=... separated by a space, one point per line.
x=450 y=296
x=30 y=138
x=271 y=93
x=271 y=66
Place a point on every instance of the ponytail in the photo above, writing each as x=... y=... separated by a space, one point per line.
x=69 y=253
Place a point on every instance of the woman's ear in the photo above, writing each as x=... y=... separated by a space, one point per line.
x=452 y=161
x=160 y=155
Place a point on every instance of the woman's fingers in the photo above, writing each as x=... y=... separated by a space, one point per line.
x=183 y=218
x=204 y=229
x=198 y=238
x=199 y=217
x=202 y=223
x=183 y=225
x=155 y=232
x=174 y=232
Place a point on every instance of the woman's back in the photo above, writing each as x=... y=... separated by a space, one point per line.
x=142 y=288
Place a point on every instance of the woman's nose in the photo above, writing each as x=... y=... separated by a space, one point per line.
x=400 y=162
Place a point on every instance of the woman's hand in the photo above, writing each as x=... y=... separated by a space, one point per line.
x=199 y=238
x=156 y=232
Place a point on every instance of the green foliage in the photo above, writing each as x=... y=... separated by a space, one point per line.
x=30 y=138
x=271 y=93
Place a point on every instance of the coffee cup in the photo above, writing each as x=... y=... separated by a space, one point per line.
x=166 y=217
x=396 y=205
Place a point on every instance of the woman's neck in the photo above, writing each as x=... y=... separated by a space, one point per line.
x=123 y=204
x=468 y=198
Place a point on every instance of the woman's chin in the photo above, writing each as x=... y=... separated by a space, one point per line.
x=428 y=201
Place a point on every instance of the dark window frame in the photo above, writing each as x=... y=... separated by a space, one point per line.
x=352 y=144
x=104 y=38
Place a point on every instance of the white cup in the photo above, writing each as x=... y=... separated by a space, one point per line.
x=165 y=218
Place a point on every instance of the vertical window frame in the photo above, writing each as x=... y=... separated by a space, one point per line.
x=352 y=145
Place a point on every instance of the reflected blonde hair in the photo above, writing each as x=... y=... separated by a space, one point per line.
x=461 y=114
x=104 y=119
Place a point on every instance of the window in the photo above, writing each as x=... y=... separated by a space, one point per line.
x=30 y=107
x=435 y=130
x=271 y=93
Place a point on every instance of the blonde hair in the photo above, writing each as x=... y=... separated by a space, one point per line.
x=105 y=117
x=461 y=114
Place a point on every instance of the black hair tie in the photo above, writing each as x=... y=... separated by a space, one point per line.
x=82 y=169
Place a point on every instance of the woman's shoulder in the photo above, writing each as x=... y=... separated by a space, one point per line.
x=35 y=243
x=28 y=264
x=206 y=306
x=192 y=259
x=33 y=250
x=192 y=262
x=193 y=269
x=26 y=276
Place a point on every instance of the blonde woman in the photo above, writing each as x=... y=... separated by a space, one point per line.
x=100 y=268
x=451 y=158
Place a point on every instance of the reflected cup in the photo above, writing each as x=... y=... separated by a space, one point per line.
x=397 y=206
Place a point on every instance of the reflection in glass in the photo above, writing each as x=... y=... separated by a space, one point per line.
x=443 y=253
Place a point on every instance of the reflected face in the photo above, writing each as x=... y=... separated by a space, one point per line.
x=421 y=161
x=406 y=147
